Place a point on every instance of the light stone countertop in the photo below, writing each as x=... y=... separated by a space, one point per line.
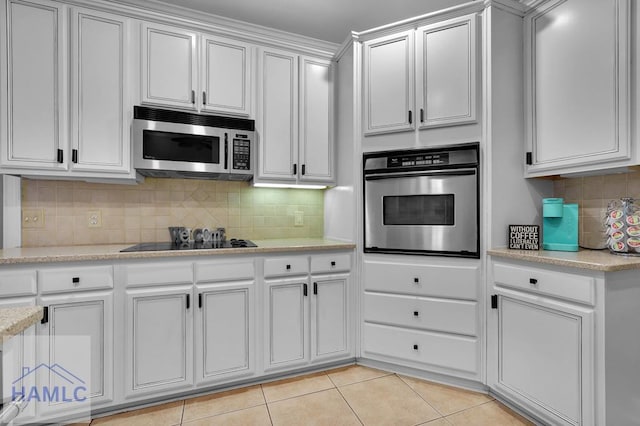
x=15 y=320
x=112 y=251
x=596 y=260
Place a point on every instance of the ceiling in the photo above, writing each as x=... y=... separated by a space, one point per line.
x=328 y=20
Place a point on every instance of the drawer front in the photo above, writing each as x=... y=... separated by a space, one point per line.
x=450 y=316
x=330 y=263
x=563 y=285
x=460 y=282
x=17 y=283
x=75 y=279
x=445 y=351
x=159 y=273
x=213 y=272
x=284 y=266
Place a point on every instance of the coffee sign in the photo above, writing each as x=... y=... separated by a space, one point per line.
x=524 y=237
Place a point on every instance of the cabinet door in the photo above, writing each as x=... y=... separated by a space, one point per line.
x=226 y=76
x=100 y=104
x=159 y=339
x=329 y=318
x=278 y=117
x=577 y=85
x=225 y=331
x=446 y=72
x=34 y=88
x=286 y=323
x=88 y=316
x=389 y=84
x=169 y=66
x=545 y=358
x=316 y=121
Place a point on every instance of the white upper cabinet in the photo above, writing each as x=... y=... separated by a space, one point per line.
x=67 y=98
x=226 y=76
x=389 y=84
x=199 y=72
x=33 y=97
x=278 y=118
x=295 y=121
x=577 y=86
x=100 y=89
x=446 y=72
x=440 y=69
x=169 y=66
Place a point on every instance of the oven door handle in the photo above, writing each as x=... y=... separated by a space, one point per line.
x=436 y=173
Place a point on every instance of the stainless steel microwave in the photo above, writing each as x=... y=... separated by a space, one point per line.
x=180 y=144
x=423 y=201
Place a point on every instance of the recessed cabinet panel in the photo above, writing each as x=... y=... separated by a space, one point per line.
x=34 y=103
x=278 y=139
x=541 y=356
x=226 y=76
x=388 y=84
x=169 y=66
x=316 y=126
x=225 y=323
x=578 y=68
x=159 y=325
x=447 y=72
x=329 y=310
x=99 y=74
x=286 y=324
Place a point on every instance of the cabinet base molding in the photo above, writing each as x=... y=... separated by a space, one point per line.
x=518 y=408
x=444 y=379
x=177 y=396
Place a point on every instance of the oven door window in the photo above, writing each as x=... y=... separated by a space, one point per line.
x=418 y=209
x=167 y=146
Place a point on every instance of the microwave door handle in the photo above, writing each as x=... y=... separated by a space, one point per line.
x=435 y=173
x=226 y=151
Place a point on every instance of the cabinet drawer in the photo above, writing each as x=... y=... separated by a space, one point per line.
x=450 y=316
x=563 y=285
x=451 y=352
x=286 y=266
x=211 y=272
x=75 y=279
x=330 y=263
x=459 y=282
x=17 y=283
x=159 y=273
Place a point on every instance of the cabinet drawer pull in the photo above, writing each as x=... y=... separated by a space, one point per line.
x=75 y=280
x=416 y=280
x=415 y=347
x=533 y=281
x=288 y=267
x=416 y=313
x=333 y=263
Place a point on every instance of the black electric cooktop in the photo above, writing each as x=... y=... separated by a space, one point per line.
x=232 y=243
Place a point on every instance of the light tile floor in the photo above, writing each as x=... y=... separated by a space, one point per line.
x=353 y=395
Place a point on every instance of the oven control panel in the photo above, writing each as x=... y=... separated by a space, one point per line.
x=241 y=154
x=435 y=159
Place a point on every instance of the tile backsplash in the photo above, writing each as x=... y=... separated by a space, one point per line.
x=593 y=194
x=142 y=213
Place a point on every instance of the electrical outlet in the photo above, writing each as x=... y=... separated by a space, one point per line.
x=33 y=218
x=298 y=218
x=94 y=219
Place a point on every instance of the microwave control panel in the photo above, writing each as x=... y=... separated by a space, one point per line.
x=241 y=153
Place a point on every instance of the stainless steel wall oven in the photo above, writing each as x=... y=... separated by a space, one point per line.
x=423 y=201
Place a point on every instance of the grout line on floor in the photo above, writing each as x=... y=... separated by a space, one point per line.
x=184 y=403
x=420 y=396
x=267 y=405
x=349 y=405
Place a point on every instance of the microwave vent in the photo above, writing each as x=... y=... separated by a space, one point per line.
x=156 y=114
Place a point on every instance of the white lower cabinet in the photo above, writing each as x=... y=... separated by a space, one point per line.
x=542 y=342
x=159 y=339
x=329 y=317
x=423 y=314
x=286 y=323
x=78 y=340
